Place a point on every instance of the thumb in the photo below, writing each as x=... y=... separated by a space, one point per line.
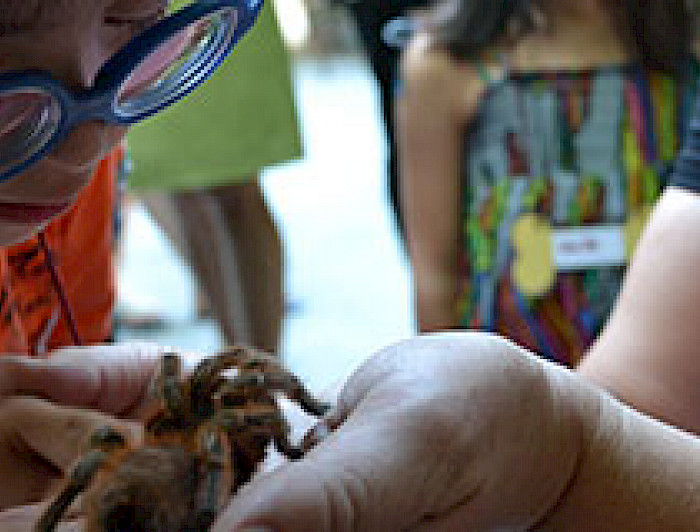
x=109 y=378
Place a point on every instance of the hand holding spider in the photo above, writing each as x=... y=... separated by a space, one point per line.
x=441 y=432
x=40 y=440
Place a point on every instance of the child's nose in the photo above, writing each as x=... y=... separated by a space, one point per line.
x=86 y=63
x=87 y=68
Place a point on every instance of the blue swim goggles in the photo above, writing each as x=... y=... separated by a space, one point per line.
x=155 y=69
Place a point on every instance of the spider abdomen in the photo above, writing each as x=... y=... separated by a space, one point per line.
x=147 y=489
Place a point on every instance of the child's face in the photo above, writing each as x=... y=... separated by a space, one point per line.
x=71 y=40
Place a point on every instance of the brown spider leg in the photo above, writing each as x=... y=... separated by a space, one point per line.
x=244 y=358
x=282 y=443
x=203 y=377
x=216 y=464
x=283 y=382
x=255 y=420
x=172 y=409
x=265 y=421
x=170 y=386
x=249 y=433
x=103 y=442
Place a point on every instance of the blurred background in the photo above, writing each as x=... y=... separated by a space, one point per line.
x=346 y=273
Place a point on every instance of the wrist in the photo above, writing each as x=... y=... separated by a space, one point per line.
x=535 y=439
x=589 y=423
x=568 y=412
x=436 y=311
x=634 y=473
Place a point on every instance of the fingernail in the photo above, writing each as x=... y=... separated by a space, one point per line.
x=322 y=431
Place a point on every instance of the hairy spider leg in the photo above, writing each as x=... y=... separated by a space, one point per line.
x=250 y=429
x=218 y=481
x=102 y=442
x=206 y=378
x=174 y=413
x=206 y=374
x=256 y=369
x=170 y=386
x=264 y=421
x=283 y=381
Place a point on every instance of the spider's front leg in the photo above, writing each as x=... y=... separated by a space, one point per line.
x=217 y=474
x=207 y=375
x=262 y=423
x=276 y=378
x=173 y=409
x=171 y=388
x=102 y=443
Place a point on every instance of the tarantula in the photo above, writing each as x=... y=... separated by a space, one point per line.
x=207 y=436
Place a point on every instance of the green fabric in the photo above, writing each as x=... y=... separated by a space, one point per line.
x=240 y=121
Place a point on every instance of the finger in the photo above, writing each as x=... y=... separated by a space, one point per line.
x=109 y=378
x=57 y=434
x=410 y=358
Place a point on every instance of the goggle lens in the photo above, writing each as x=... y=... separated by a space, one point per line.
x=28 y=119
x=175 y=66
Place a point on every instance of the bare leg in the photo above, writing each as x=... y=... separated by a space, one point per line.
x=260 y=259
x=214 y=257
x=161 y=205
x=230 y=240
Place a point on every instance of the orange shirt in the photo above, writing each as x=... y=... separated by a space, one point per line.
x=38 y=302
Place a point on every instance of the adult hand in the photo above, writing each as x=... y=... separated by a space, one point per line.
x=111 y=378
x=40 y=442
x=446 y=432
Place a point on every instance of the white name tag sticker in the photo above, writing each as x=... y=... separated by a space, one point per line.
x=577 y=248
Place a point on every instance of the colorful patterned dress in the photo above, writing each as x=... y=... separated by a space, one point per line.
x=560 y=173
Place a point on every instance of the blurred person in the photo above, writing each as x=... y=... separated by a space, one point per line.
x=197 y=168
x=64 y=108
x=534 y=138
x=372 y=17
x=647 y=353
